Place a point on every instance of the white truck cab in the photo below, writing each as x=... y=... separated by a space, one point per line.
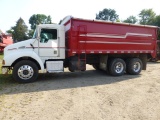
x=45 y=52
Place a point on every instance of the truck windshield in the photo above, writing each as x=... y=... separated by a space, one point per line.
x=35 y=34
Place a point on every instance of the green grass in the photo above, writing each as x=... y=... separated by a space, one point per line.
x=1 y=56
x=4 y=79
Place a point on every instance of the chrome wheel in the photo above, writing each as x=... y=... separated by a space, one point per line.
x=136 y=66
x=119 y=67
x=25 y=72
x=116 y=66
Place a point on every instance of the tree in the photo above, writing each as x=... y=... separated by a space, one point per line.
x=157 y=23
x=107 y=14
x=147 y=17
x=37 y=19
x=10 y=31
x=30 y=33
x=19 y=31
x=157 y=20
x=131 y=19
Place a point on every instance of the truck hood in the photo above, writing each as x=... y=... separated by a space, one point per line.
x=19 y=45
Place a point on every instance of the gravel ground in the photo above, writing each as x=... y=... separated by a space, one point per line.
x=90 y=95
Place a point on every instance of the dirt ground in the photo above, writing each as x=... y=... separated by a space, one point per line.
x=89 y=95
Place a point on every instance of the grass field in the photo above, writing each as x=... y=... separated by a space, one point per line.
x=1 y=56
x=4 y=79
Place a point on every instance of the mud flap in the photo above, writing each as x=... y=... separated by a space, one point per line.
x=143 y=57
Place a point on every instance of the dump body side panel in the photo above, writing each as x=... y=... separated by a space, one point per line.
x=84 y=36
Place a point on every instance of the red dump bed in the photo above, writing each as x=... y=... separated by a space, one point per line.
x=89 y=36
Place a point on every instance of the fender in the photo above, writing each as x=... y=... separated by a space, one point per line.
x=11 y=58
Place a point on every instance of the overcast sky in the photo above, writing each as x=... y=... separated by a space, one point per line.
x=12 y=10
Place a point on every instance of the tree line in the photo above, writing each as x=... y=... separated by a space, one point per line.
x=146 y=17
x=21 y=32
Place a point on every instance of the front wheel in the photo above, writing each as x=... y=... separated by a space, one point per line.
x=25 y=71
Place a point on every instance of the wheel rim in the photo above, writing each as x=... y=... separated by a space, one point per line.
x=119 y=67
x=136 y=66
x=25 y=72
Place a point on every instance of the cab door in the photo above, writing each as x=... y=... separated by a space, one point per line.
x=48 y=43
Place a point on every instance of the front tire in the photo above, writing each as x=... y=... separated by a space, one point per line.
x=25 y=71
x=117 y=67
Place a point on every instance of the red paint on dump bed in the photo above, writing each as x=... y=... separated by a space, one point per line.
x=89 y=36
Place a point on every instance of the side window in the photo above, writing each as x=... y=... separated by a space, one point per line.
x=47 y=34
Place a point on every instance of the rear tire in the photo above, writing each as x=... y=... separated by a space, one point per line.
x=25 y=71
x=134 y=66
x=117 y=67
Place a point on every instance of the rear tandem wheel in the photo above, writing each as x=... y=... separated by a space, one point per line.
x=117 y=67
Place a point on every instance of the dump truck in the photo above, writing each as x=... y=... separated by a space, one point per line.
x=114 y=47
